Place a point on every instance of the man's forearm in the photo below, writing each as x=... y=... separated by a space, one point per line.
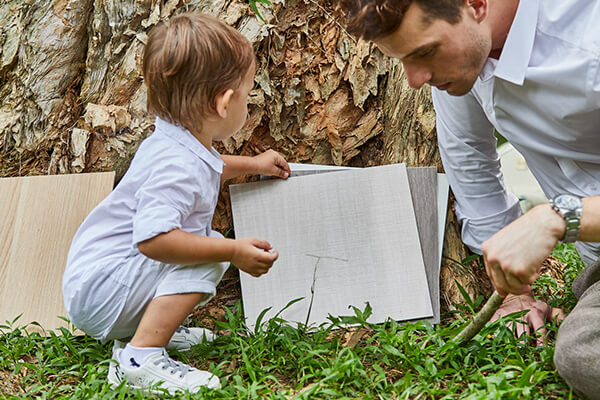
x=590 y=220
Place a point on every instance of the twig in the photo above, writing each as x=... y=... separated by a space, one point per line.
x=480 y=319
x=312 y=291
x=314 y=281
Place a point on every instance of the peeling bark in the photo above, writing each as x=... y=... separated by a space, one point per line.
x=72 y=97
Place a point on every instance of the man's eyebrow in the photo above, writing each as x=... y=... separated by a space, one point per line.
x=420 y=49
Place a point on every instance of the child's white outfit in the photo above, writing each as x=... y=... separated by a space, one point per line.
x=173 y=183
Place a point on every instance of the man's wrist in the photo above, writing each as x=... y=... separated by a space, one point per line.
x=555 y=223
x=569 y=208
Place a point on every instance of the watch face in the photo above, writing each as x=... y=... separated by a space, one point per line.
x=567 y=201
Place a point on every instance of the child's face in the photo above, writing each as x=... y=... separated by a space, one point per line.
x=237 y=110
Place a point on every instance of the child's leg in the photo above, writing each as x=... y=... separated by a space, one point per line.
x=162 y=317
x=144 y=363
x=158 y=302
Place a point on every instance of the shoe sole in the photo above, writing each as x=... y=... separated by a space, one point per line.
x=113 y=385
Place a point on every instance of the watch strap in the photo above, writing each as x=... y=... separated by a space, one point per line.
x=572 y=219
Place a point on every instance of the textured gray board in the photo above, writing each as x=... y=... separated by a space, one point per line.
x=442 y=201
x=423 y=190
x=349 y=235
x=430 y=201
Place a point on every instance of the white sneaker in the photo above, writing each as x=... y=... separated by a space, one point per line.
x=159 y=370
x=184 y=338
x=112 y=366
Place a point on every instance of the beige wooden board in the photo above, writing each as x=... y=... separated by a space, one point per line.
x=344 y=238
x=39 y=216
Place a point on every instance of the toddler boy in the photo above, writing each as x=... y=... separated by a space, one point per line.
x=146 y=255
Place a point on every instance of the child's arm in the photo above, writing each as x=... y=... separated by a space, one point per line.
x=251 y=255
x=269 y=163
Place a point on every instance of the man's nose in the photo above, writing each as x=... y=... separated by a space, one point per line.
x=416 y=76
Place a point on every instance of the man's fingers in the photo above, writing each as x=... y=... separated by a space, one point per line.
x=537 y=321
x=515 y=284
x=537 y=317
x=540 y=336
x=556 y=314
x=499 y=280
x=522 y=327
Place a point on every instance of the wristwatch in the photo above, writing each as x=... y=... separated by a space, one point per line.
x=569 y=207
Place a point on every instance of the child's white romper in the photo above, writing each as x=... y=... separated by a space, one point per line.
x=173 y=182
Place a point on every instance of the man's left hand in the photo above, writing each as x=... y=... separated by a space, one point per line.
x=535 y=320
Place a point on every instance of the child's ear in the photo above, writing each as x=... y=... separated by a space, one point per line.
x=222 y=102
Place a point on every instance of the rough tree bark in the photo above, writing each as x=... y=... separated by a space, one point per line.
x=72 y=98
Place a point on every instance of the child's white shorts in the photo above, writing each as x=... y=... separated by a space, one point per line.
x=107 y=301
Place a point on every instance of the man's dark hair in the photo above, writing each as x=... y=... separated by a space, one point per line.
x=374 y=19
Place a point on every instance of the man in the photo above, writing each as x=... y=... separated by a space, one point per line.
x=529 y=69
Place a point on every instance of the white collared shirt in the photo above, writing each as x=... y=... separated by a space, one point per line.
x=173 y=182
x=543 y=95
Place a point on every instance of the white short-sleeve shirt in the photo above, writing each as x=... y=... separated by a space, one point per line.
x=173 y=182
x=543 y=95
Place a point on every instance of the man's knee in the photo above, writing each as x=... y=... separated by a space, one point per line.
x=577 y=353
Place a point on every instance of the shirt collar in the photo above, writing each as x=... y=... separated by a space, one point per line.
x=516 y=52
x=187 y=140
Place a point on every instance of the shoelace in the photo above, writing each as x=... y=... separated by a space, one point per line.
x=170 y=363
x=182 y=328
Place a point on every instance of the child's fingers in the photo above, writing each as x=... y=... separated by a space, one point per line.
x=266 y=258
x=283 y=173
x=280 y=171
x=261 y=244
x=284 y=167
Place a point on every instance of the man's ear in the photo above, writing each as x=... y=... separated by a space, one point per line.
x=222 y=102
x=477 y=9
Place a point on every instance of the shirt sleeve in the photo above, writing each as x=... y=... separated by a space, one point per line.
x=468 y=150
x=164 y=200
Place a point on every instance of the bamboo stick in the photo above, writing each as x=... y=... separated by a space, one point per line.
x=480 y=319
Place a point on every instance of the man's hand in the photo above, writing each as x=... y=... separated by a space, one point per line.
x=271 y=163
x=513 y=256
x=535 y=319
x=253 y=256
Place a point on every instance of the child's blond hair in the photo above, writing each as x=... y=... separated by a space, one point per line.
x=187 y=62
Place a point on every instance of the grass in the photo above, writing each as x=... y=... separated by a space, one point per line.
x=386 y=361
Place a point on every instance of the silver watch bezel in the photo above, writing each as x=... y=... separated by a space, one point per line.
x=569 y=207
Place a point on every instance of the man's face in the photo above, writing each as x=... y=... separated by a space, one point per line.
x=447 y=56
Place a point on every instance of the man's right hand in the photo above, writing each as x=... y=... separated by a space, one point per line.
x=253 y=256
x=534 y=320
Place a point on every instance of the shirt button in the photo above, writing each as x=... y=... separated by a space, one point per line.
x=593 y=186
x=488 y=109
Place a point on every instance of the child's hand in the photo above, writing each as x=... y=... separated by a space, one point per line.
x=271 y=163
x=252 y=256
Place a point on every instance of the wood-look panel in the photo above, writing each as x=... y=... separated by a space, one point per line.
x=39 y=216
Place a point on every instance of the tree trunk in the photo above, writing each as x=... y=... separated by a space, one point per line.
x=73 y=100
